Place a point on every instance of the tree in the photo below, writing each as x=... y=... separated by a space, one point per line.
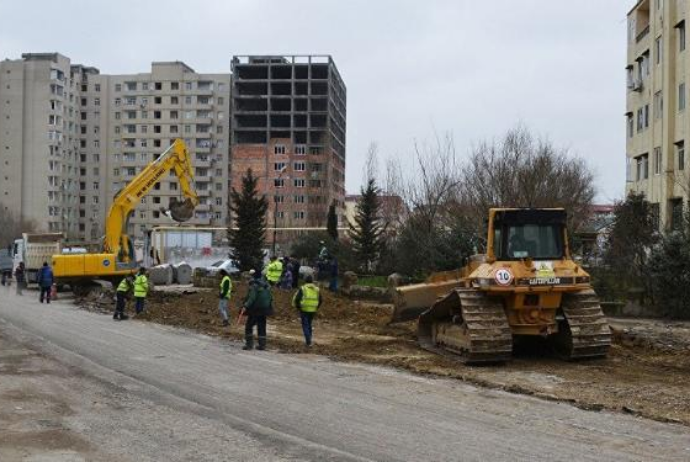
x=332 y=224
x=522 y=171
x=632 y=236
x=367 y=233
x=669 y=268
x=13 y=227
x=248 y=240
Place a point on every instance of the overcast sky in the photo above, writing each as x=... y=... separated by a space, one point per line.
x=412 y=68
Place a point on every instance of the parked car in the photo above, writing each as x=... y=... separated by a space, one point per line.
x=230 y=266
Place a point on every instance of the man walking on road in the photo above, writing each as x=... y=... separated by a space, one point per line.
x=19 y=274
x=224 y=294
x=141 y=290
x=45 y=282
x=257 y=306
x=308 y=300
x=121 y=293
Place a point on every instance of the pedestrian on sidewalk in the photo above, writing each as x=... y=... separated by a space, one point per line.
x=141 y=290
x=124 y=288
x=19 y=275
x=224 y=295
x=308 y=300
x=45 y=282
x=257 y=306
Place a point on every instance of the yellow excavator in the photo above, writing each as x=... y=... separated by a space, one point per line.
x=526 y=285
x=117 y=259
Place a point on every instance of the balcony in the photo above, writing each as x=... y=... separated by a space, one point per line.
x=642 y=34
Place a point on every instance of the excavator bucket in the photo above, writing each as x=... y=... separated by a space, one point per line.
x=181 y=211
x=411 y=301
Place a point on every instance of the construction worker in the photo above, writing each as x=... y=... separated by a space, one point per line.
x=274 y=270
x=121 y=293
x=257 y=306
x=224 y=295
x=19 y=274
x=45 y=282
x=141 y=289
x=308 y=300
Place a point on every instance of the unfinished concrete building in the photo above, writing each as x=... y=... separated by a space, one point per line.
x=289 y=127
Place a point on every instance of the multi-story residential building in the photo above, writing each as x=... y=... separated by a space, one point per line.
x=289 y=126
x=658 y=123
x=70 y=138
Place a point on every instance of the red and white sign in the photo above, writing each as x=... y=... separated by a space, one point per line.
x=503 y=277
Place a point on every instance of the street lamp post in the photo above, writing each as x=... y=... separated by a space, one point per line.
x=275 y=211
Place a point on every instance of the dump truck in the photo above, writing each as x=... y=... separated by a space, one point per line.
x=34 y=249
x=117 y=258
x=525 y=285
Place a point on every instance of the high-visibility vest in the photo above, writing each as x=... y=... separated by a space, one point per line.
x=274 y=270
x=222 y=283
x=141 y=286
x=123 y=286
x=310 y=298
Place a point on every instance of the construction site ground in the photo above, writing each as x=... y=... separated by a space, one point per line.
x=647 y=372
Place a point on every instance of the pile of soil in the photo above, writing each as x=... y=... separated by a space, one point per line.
x=647 y=372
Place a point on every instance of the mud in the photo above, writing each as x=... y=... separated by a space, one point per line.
x=647 y=372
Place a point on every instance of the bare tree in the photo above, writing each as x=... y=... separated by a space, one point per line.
x=12 y=226
x=521 y=171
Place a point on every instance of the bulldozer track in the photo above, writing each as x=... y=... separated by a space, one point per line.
x=487 y=336
x=587 y=333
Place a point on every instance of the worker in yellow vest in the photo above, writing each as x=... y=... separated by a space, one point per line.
x=121 y=293
x=308 y=300
x=274 y=270
x=224 y=294
x=141 y=289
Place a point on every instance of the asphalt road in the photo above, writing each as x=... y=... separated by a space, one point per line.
x=283 y=407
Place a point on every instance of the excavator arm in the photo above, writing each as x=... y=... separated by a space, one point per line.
x=174 y=158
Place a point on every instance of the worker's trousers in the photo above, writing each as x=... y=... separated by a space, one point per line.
x=260 y=323
x=120 y=303
x=45 y=294
x=307 y=319
x=223 y=308
x=139 y=304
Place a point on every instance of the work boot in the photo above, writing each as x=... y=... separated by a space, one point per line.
x=248 y=343
x=262 y=343
x=116 y=316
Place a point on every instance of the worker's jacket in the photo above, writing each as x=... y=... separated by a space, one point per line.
x=259 y=301
x=141 y=286
x=273 y=271
x=45 y=277
x=307 y=298
x=124 y=286
x=225 y=287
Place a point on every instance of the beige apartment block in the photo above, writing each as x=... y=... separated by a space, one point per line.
x=657 y=120
x=71 y=138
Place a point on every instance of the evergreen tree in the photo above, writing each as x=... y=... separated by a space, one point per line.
x=249 y=210
x=332 y=223
x=367 y=233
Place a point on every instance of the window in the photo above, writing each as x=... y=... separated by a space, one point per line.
x=658 y=105
x=681 y=96
x=158 y=85
x=279 y=166
x=174 y=100
x=300 y=149
x=299 y=166
x=219 y=186
x=97 y=87
x=298 y=215
x=173 y=186
x=299 y=183
x=658 y=50
x=96 y=101
x=144 y=85
x=680 y=154
x=96 y=185
x=279 y=182
x=131 y=100
x=676 y=213
x=642 y=167
x=220 y=101
x=681 y=36
x=174 y=85
x=646 y=124
x=278 y=149
x=298 y=199
x=117 y=116
x=131 y=86
x=657 y=160
x=157 y=100
x=173 y=129
x=157 y=114
x=118 y=101
x=219 y=129
x=131 y=114
x=188 y=129
x=118 y=87
x=174 y=114
x=116 y=172
x=188 y=100
x=144 y=129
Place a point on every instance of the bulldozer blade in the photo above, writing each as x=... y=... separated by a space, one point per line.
x=411 y=301
x=181 y=211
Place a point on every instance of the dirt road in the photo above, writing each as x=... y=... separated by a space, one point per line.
x=309 y=408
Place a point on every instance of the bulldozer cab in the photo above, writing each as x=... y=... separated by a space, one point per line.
x=521 y=234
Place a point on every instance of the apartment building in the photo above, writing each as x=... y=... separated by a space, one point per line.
x=657 y=119
x=289 y=127
x=70 y=138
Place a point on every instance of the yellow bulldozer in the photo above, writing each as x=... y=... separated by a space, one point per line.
x=526 y=285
